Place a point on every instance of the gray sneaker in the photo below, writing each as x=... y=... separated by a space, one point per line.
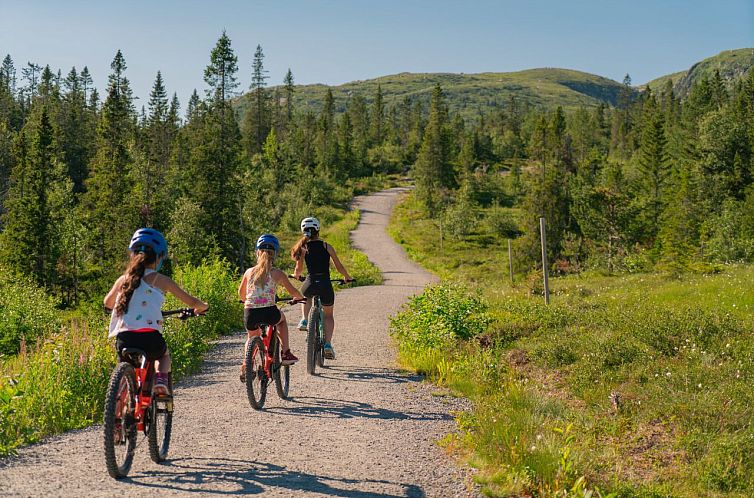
x=302 y=325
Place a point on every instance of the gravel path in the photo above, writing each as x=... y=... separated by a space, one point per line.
x=362 y=428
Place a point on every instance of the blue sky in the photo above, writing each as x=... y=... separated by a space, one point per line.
x=338 y=41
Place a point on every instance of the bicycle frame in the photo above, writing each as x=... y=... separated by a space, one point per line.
x=268 y=334
x=144 y=373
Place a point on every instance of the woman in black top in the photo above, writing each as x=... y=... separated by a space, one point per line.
x=317 y=254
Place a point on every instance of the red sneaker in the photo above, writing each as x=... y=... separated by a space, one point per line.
x=288 y=358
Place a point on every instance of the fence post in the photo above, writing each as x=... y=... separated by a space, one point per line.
x=510 y=260
x=545 y=270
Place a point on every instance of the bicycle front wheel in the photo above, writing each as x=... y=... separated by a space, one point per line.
x=161 y=425
x=256 y=378
x=312 y=340
x=119 y=421
x=281 y=373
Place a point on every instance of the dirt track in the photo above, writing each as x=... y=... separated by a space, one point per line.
x=361 y=429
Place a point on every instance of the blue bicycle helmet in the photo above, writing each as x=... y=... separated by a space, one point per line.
x=149 y=237
x=269 y=242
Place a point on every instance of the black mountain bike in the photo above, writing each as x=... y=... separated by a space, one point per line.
x=315 y=335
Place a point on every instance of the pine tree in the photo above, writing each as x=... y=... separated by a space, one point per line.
x=214 y=162
x=289 y=89
x=28 y=237
x=257 y=120
x=433 y=172
x=77 y=130
x=378 y=118
x=108 y=203
x=653 y=162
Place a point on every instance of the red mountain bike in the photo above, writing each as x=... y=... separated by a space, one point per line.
x=130 y=407
x=263 y=363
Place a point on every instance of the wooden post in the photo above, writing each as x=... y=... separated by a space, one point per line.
x=543 y=237
x=510 y=260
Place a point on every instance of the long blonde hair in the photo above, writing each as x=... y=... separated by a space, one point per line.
x=300 y=248
x=261 y=271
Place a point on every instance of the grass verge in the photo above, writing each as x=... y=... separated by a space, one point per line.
x=635 y=385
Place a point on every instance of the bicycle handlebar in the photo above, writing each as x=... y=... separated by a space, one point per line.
x=290 y=300
x=182 y=313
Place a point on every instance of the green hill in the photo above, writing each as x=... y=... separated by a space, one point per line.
x=470 y=93
x=732 y=64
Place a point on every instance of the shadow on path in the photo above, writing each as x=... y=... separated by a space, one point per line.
x=350 y=373
x=226 y=476
x=307 y=406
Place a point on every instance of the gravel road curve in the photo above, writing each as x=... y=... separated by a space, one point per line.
x=363 y=428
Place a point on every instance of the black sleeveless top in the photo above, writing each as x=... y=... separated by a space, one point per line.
x=317 y=258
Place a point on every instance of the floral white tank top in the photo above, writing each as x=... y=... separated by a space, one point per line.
x=144 y=310
x=261 y=296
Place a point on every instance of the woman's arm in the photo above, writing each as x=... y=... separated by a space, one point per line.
x=299 y=268
x=338 y=265
x=109 y=301
x=282 y=279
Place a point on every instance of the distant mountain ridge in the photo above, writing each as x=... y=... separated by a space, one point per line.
x=732 y=64
x=472 y=94
x=469 y=94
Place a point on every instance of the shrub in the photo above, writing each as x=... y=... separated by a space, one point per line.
x=26 y=312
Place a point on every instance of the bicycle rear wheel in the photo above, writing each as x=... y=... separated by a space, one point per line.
x=161 y=425
x=119 y=422
x=281 y=373
x=312 y=340
x=321 y=340
x=256 y=378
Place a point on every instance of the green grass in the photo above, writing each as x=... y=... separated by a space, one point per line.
x=639 y=385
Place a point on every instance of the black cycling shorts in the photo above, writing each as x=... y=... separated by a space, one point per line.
x=319 y=286
x=152 y=343
x=253 y=317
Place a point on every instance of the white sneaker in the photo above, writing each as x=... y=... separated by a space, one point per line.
x=302 y=325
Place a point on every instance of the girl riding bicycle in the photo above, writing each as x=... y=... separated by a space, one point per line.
x=258 y=290
x=317 y=254
x=136 y=299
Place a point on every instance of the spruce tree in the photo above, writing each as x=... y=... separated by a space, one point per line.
x=653 y=163
x=111 y=215
x=289 y=89
x=28 y=241
x=257 y=120
x=378 y=118
x=433 y=172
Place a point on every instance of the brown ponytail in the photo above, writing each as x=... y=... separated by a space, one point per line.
x=262 y=269
x=299 y=248
x=133 y=275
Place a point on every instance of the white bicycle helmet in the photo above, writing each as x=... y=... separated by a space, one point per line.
x=309 y=223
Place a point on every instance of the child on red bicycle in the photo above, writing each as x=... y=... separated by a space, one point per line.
x=258 y=290
x=317 y=255
x=136 y=299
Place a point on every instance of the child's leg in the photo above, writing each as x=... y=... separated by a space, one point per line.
x=282 y=328
x=305 y=307
x=163 y=364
